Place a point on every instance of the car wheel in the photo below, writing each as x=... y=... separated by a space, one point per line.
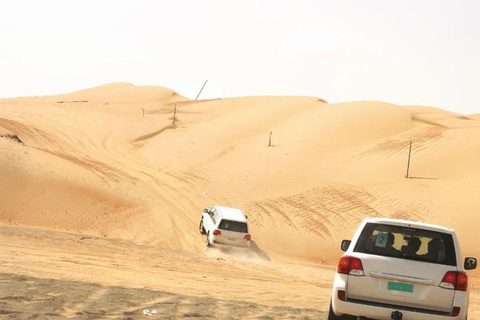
x=333 y=316
x=201 y=228
x=207 y=242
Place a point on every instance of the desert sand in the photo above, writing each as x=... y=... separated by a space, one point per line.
x=101 y=192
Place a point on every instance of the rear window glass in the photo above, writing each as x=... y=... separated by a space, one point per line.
x=407 y=243
x=236 y=226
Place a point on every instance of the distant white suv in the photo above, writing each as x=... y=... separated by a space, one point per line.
x=397 y=269
x=225 y=226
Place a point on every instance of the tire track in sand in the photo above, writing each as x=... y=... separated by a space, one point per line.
x=422 y=139
x=319 y=211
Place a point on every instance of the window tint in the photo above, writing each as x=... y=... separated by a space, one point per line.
x=236 y=226
x=407 y=243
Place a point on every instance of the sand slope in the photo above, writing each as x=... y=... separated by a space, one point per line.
x=140 y=163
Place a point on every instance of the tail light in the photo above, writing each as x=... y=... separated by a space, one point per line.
x=216 y=232
x=247 y=237
x=455 y=280
x=350 y=265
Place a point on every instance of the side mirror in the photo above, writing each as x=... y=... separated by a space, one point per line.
x=470 y=263
x=345 y=245
x=205 y=210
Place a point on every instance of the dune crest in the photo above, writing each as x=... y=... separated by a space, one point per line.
x=121 y=92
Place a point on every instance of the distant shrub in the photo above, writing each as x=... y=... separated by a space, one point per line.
x=13 y=137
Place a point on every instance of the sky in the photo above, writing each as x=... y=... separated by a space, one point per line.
x=411 y=52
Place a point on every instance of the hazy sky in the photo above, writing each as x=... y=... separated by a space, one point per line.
x=410 y=52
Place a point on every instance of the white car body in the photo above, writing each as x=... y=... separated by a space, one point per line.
x=225 y=227
x=378 y=278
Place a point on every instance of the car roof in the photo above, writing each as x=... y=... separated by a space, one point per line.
x=231 y=213
x=408 y=223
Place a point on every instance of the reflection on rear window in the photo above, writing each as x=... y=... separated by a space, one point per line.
x=407 y=243
x=236 y=226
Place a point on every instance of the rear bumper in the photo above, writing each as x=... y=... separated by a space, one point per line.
x=384 y=311
x=215 y=243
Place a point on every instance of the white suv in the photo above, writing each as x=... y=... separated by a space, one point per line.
x=397 y=269
x=225 y=226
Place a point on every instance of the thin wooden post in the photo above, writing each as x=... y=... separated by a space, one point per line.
x=409 y=154
x=270 y=140
x=201 y=89
x=174 y=113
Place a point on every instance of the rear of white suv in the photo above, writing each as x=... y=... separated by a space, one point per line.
x=225 y=227
x=397 y=269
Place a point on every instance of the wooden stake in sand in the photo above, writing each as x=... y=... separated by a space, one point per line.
x=270 y=140
x=174 y=113
x=409 y=153
x=201 y=89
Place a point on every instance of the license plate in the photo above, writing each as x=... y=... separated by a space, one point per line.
x=400 y=286
x=232 y=239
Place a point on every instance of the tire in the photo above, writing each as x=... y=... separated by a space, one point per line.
x=201 y=227
x=207 y=242
x=333 y=316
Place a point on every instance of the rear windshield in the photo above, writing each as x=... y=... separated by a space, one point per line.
x=407 y=243
x=236 y=226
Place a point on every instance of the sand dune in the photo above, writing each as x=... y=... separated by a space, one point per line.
x=121 y=163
